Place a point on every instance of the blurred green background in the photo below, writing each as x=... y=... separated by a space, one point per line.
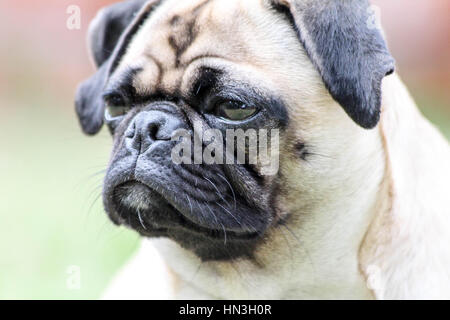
x=51 y=216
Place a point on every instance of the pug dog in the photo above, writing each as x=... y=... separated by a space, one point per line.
x=359 y=206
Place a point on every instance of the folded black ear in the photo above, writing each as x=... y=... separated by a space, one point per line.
x=89 y=101
x=347 y=49
x=108 y=34
x=107 y=27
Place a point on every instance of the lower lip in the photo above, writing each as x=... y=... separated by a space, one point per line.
x=195 y=230
x=187 y=226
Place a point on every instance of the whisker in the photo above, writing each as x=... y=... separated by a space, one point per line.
x=87 y=179
x=240 y=224
x=232 y=190
x=220 y=195
x=218 y=192
x=97 y=197
x=224 y=234
x=217 y=221
x=308 y=153
x=140 y=219
x=196 y=272
x=95 y=174
x=291 y=251
x=301 y=245
x=190 y=204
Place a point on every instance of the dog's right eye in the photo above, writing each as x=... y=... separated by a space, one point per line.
x=115 y=106
x=114 y=112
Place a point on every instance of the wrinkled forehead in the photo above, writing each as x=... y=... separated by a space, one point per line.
x=179 y=36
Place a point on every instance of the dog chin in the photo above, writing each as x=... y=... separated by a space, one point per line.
x=137 y=206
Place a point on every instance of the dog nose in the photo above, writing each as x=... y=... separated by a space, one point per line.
x=150 y=126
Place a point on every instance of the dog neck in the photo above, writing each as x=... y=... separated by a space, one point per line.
x=405 y=252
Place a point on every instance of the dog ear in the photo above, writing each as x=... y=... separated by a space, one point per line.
x=347 y=49
x=108 y=37
x=89 y=101
x=106 y=28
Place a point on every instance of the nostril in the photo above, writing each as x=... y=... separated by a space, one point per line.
x=160 y=130
x=153 y=129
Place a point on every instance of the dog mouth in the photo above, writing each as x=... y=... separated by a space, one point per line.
x=143 y=209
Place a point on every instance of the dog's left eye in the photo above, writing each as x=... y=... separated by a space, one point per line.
x=234 y=110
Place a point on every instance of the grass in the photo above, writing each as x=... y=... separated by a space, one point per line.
x=51 y=218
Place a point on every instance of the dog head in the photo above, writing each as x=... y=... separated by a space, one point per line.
x=309 y=70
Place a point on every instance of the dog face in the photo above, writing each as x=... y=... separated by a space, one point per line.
x=290 y=66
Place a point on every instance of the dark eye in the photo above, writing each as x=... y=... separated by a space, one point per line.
x=234 y=110
x=115 y=106
x=114 y=111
